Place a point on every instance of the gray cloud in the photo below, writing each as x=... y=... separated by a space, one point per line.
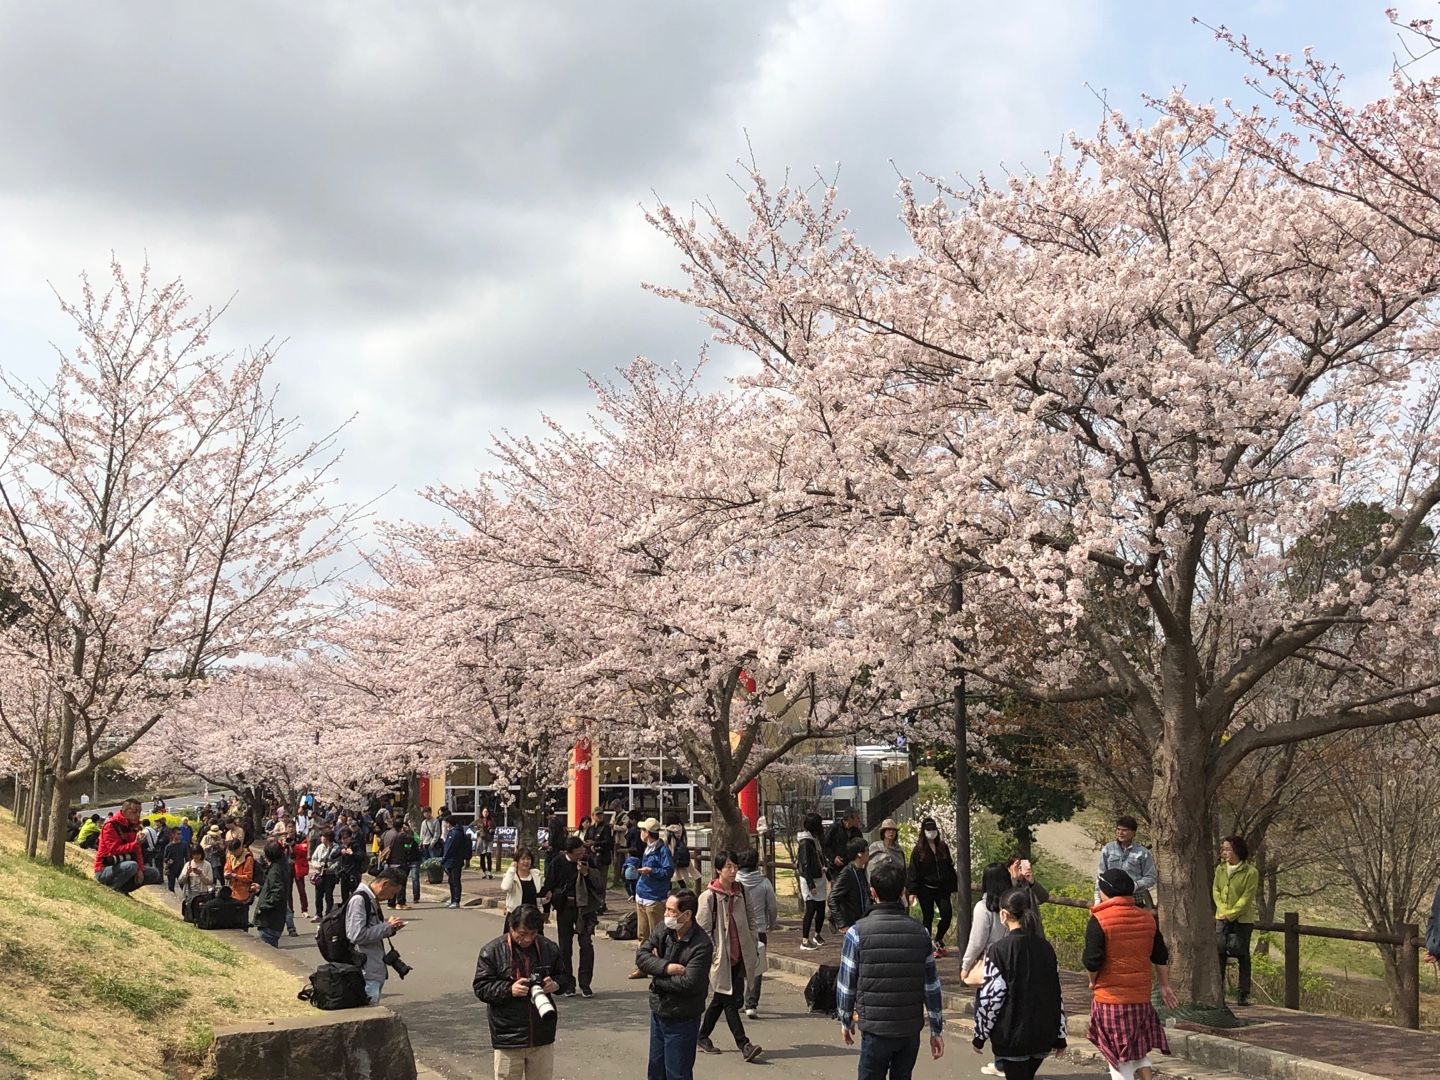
x=437 y=203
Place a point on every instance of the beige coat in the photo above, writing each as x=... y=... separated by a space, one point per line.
x=712 y=919
x=510 y=885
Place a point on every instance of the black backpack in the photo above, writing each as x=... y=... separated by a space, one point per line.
x=820 y=990
x=624 y=929
x=336 y=986
x=332 y=940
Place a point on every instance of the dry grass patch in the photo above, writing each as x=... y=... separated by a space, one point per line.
x=94 y=984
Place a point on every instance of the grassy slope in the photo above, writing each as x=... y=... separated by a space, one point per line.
x=94 y=984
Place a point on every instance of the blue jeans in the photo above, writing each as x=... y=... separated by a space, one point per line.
x=121 y=876
x=881 y=1057
x=672 y=1048
x=269 y=936
x=372 y=990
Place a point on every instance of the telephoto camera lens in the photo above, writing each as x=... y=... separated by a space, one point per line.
x=538 y=997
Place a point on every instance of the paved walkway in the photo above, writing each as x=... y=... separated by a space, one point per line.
x=608 y=1035
x=1353 y=1044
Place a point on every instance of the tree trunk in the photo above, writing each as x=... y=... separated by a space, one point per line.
x=412 y=800
x=48 y=812
x=55 y=836
x=32 y=822
x=255 y=807
x=1179 y=822
x=1024 y=841
x=527 y=826
x=60 y=769
x=728 y=829
x=1267 y=898
x=1394 y=977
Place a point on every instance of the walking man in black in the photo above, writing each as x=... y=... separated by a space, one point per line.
x=575 y=886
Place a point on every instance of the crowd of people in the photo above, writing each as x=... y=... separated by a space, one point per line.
x=702 y=945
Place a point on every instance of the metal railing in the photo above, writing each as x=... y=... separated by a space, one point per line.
x=1407 y=939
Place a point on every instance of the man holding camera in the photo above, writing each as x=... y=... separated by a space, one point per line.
x=119 y=861
x=516 y=976
x=575 y=888
x=368 y=931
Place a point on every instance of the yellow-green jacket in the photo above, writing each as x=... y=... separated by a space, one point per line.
x=1234 y=893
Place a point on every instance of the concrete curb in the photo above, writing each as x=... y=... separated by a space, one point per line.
x=1234 y=1055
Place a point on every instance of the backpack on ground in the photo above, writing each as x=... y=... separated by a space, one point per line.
x=820 y=990
x=624 y=929
x=336 y=986
x=332 y=940
x=219 y=912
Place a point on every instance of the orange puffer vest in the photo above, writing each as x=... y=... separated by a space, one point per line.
x=1129 y=939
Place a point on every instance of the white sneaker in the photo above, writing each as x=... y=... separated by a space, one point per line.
x=990 y=1070
x=751 y=1014
x=809 y=946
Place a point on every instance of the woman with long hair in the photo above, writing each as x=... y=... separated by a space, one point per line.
x=985 y=925
x=931 y=879
x=1018 y=1010
x=814 y=885
x=485 y=842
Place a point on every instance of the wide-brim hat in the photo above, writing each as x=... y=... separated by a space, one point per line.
x=889 y=823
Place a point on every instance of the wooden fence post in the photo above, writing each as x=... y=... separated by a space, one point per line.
x=1410 y=977
x=1292 y=960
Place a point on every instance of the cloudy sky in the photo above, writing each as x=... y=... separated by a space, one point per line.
x=437 y=205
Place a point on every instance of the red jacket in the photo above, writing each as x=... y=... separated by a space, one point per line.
x=300 y=858
x=118 y=837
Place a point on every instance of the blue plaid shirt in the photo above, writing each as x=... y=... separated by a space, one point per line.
x=846 y=982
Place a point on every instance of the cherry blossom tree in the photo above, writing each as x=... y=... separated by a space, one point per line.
x=251 y=729
x=1116 y=395
x=452 y=662
x=160 y=517
x=626 y=584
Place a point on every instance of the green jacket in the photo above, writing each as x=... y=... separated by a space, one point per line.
x=1234 y=893
x=274 y=896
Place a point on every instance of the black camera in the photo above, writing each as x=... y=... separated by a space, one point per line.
x=393 y=961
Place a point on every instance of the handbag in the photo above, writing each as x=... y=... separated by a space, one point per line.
x=1229 y=939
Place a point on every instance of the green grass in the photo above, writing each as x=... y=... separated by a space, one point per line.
x=143 y=998
x=93 y=983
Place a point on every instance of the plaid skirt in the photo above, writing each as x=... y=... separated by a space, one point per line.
x=1126 y=1032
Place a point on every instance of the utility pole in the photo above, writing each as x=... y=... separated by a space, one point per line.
x=962 y=769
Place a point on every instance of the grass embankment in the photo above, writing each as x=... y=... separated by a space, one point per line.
x=95 y=984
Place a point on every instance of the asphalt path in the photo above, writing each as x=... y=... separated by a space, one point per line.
x=607 y=1035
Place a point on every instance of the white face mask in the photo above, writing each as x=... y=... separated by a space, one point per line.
x=931 y=834
x=672 y=922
